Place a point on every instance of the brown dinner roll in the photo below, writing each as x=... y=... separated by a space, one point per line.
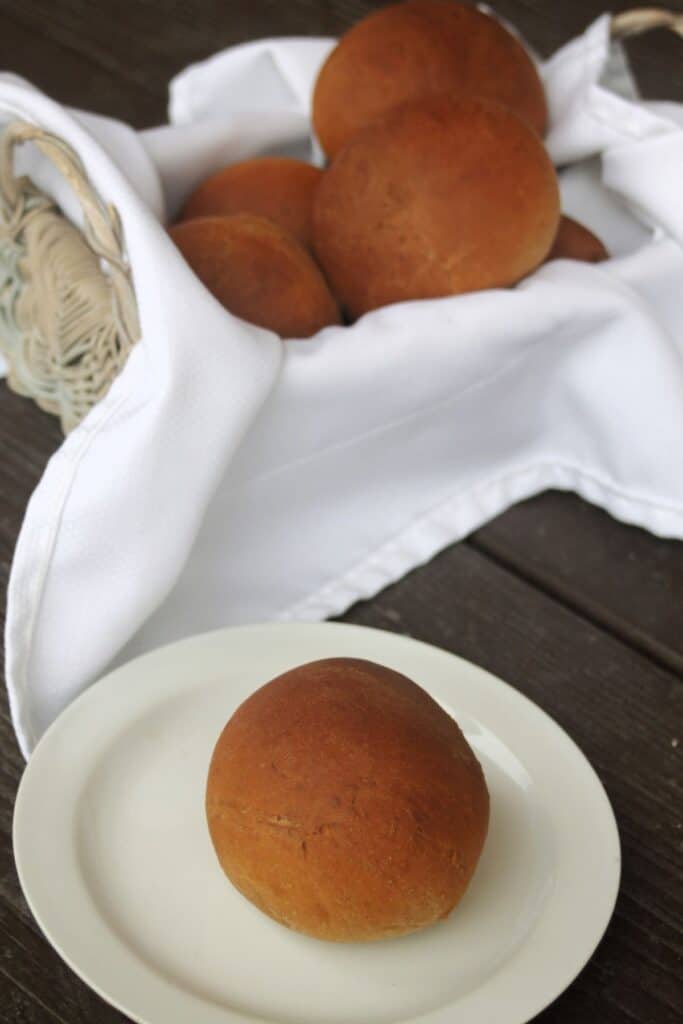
x=440 y=196
x=407 y=50
x=259 y=272
x=345 y=803
x=575 y=242
x=278 y=188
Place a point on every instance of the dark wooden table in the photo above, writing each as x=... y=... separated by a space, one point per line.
x=581 y=613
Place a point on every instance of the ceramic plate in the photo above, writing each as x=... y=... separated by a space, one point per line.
x=115 y=860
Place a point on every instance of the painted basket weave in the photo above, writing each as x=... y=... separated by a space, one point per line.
x=68 y=315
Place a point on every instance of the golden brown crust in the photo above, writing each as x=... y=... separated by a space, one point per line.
x=345 y=803
x=259 y=272
x=279 y=188
x=423 y=46
x=573 y=241
x=440 y=196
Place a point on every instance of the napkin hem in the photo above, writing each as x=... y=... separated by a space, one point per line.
x=34 y=552
x=451 y=520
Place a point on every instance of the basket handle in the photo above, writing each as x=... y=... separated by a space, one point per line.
x=102 y=226
x=644 y=19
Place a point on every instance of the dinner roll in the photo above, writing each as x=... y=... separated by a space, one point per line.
x=575 y=242
x=442 y=195
x=345 y=803
x=278 y=188
x=406 y=50
x=259 y=272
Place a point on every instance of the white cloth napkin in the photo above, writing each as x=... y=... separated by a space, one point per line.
x=230 y=477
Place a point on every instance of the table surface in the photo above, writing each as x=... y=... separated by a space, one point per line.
x=581 y=613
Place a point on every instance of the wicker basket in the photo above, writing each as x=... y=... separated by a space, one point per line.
x=68 y=315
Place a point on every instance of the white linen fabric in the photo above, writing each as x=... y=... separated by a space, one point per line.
x=230 y=477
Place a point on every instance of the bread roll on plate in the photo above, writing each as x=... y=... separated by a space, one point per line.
x=346 y=803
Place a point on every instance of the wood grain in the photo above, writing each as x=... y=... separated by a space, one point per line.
x=621 y=577
x=619 y=707
x=626 y=715
x=72 y=76
x=579 y=612
x=140 y=44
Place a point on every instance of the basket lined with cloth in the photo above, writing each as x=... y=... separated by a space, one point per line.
x=222 y=475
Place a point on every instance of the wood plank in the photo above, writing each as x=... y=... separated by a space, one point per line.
x=645 y=613
x=619 y=707
x=622 y=710
x=42 y=980
x=72 y=77
x=20 y=1006
x=27 y=439
x=147 y=42
x=480 y=599
x=460 y=602
x=620 y=576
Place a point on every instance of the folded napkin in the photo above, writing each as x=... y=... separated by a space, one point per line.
x=230 y=477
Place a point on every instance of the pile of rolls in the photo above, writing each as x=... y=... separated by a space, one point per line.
x=431 y=116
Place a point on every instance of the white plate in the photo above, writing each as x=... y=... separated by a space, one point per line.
x=115 y=860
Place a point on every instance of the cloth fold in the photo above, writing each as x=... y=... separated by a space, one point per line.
x=229 y=476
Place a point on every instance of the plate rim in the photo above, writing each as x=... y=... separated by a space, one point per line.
x=227 y=1015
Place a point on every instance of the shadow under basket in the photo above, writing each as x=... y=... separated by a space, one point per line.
x=68 y=314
